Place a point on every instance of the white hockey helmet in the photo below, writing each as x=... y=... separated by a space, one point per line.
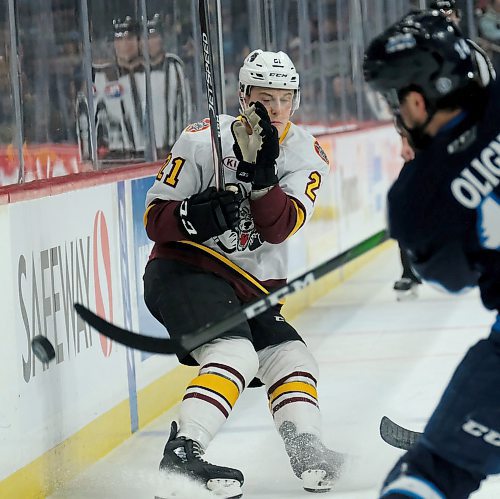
x=270 y=70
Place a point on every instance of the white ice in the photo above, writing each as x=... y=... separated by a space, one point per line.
x=377 y=357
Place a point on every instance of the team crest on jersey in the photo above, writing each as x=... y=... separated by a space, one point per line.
x=248 y=237
x=320 y=152
x=114 y=90
x=243 y=237
x=230 y=162
x=198 y=126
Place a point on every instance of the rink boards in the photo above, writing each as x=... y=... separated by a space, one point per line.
x=83 y=240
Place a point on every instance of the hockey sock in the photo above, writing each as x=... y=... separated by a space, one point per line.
x=208 y=401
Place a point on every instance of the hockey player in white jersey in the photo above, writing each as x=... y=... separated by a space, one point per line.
x=217 y=249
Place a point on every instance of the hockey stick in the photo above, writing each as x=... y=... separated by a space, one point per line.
x=206 y=333
x=213 y=107
x=397 y=435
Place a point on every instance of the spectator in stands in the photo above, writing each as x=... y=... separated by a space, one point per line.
x=489 y=28
x=489 y=24
x=481 y=6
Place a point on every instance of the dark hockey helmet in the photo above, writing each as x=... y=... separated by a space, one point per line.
x=155 y=25
x=125 y=27
x=447 y=7
x=444 y=5
x=424 y=51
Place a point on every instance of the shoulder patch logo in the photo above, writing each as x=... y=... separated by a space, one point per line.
x=199 y=126
x=320 y=152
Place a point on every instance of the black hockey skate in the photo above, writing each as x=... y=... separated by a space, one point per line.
x=406 y=288
x=317 y=466
x=182 y=455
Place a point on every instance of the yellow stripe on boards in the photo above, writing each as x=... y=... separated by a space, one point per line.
x=66 y=460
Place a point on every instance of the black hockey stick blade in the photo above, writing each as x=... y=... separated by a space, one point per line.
x=397 y=435
x=128 y=338
x=210 y=331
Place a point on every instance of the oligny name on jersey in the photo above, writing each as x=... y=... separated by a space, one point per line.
x=469 y=189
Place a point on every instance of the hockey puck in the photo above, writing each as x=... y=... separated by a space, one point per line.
x=42 y=348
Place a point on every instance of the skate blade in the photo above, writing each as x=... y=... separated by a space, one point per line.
x=227 y=489
x=315 y=481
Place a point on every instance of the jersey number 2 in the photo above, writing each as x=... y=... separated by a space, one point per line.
x=313 y=185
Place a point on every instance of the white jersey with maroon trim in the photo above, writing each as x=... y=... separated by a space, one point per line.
x=301 y=166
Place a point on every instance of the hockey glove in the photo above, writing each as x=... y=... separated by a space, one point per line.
x=256 y=146
x=209 y=213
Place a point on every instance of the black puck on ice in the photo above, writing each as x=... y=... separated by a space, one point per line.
x=42 y=348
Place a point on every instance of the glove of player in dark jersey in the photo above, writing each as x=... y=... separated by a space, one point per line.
x=209 y=213
x=256 y=151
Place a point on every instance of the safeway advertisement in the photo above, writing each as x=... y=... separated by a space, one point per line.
x=65 y=249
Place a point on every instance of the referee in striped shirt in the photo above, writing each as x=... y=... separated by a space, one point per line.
x=171 y=94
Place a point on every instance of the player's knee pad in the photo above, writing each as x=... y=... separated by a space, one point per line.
x=280 y=360
x=234 y=355
x=465 y=427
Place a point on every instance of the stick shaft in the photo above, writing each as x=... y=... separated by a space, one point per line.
x=189 y=342
x=213 y=108
x=251 y=310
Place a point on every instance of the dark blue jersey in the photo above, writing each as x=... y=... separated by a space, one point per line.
x=444 y=208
